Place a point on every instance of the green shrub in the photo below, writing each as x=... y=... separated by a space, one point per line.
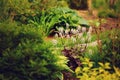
x=107 y=13
x=100 y=4
x=4 y=10
x=111 y=46
x=117 y=7
x=107 y=9
x=92 y=52
x=25 y=56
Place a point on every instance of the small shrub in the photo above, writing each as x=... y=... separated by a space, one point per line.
x=111 y=46
x=25 y=56
x=97 y=4
x=108 y=9
x=107 y=13
x=92 y=52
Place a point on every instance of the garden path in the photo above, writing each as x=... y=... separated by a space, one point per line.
x=110 y=22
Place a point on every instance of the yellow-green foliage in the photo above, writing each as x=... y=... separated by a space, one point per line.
x=87 y=72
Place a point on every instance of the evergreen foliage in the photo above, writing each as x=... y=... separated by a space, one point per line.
x=25 y=56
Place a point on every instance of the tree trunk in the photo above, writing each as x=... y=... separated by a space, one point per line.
x=89 y=3
x=112 y=3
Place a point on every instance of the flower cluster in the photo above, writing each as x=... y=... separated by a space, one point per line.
x=79 y=32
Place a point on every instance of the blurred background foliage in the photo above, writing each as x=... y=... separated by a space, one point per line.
x=107 y=8
x=23 y=8
x=78 y=4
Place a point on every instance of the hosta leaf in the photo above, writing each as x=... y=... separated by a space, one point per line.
x=83 y=22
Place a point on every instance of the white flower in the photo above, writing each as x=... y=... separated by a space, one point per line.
x=89 y=36
x=80 y=35
x=77 y=31
x=79 y=27
x=73 y=31
x=66 y=31
x=67 y=25
x=83 y=40
x=61 y=29
x=84 y=29
x=68 y=36
x=82 y=50
x=83 y=45
x=54 y=41
x=90 y=30
x=56 y=35
x=73 y=39
x=89 y=39
x=60 y=34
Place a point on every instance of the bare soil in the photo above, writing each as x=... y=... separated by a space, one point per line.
x=110 y=22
